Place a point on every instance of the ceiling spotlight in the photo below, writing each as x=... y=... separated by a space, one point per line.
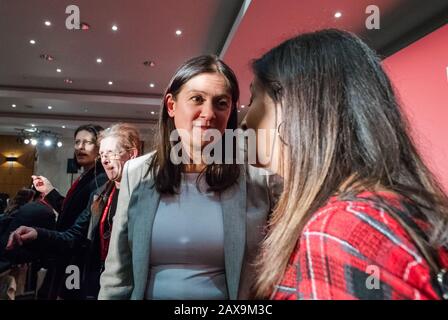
x=63 y=127
x=13 y=105
x=243 y=106
x=26 y=141
x=33 y=125
x=47 y=142
x=114 y=27
x=47 y=23
x=50 y=107
x=110 y=83
x=152 y=112
x=99 y=60
x=152 y=85
x=337 y=15
x=69 y=81
x=33 y=41
x=239 y=110
x=178 y=32
x=58 y=70
x=59 y=144
x=33 y=142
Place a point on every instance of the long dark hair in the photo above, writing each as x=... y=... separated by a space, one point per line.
x=22 y=197
x=168 y=175
x=344 y=133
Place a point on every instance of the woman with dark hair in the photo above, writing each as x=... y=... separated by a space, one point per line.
x=118 y=144
x=71 y=206
x=187 y=230
x=360 y=216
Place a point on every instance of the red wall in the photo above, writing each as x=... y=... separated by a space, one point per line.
x=419 y=73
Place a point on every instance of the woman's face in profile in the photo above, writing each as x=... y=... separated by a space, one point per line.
x=113 y=157
x=261 y=118
x=204 y=102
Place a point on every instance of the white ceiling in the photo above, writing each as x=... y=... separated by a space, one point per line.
x=146 y=31
x=237 y=30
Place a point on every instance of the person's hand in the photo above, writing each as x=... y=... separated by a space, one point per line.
x=42 y=184
x=20 y=236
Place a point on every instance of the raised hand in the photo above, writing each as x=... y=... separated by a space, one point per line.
x=42 y=184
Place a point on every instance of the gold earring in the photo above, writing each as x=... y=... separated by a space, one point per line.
x=279 y=134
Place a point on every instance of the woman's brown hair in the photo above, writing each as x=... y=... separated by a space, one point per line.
x=167 y=175
x=343 y=133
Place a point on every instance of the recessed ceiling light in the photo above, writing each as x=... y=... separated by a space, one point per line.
x=110 y=83
x=47 y=23
x=338 y=14
x=243 y=106
x=152 y=112
x=63 y=127
x=13 y=105
x=50 y=107
x=178 y=32
x=114 y=27
x=239 y=110
x=152 y=85
x=47 y=143
x=99 y=60
x=33 y=41
x=69 y=81
x=59 y=144
x=58 y=70
x=33 y=125
x=33 y=142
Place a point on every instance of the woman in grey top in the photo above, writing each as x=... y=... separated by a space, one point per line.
x=186 y=228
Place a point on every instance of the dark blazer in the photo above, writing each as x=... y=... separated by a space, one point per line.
x=245 y=208
x=85 y=231
x=69 y=210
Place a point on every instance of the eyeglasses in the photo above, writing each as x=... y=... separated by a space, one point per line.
x=110 y=155
x=84 y=143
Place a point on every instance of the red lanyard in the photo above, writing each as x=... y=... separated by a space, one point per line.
x=104 y=241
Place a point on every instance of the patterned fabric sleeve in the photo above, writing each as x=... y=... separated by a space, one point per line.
x=350 y=250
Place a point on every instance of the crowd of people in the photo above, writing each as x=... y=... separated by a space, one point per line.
x=343 y=195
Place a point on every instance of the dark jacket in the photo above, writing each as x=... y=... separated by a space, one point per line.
x=70 y=209
x=75 y=237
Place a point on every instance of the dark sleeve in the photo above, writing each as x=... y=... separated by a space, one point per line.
x=55 y=199
x=75 y=236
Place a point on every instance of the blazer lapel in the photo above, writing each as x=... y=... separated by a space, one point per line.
x=148 y=202
x=233 y=202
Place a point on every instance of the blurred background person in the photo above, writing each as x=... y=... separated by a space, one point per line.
x=118 y=144
x=70 y=207
x=25 y=209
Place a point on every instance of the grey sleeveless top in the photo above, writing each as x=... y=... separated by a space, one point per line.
x=187 y=247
